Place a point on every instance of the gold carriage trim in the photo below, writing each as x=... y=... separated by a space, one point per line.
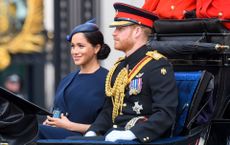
x=29 y=39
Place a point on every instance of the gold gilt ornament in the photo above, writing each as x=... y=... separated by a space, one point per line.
x=4 y=27
x=5 y=58
x=29 y=39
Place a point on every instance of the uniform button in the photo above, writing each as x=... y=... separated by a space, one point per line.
x=220 y=14
x=124 y=105
x=184 y=11
x=114 y=126
x=147 y=138
x=144 y=139
x=121 y=113
x=172 y=7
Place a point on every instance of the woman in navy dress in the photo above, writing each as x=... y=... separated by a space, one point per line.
x=81 y=94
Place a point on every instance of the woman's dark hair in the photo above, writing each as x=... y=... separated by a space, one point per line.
x=95 y=38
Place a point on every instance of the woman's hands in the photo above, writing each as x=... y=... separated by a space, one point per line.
x=62 y=122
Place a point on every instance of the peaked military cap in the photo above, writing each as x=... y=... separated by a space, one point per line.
x=88 y=26
x=18 y=120
x=128 y=15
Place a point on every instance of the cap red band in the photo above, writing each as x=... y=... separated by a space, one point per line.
x=142 y=20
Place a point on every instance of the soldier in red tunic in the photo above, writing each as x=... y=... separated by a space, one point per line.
x=214 y=9
x=170 y=9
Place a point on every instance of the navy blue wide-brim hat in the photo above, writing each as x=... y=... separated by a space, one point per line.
x=128 y=14
x=88 y=26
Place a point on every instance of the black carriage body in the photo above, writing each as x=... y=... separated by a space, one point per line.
x=187 y=35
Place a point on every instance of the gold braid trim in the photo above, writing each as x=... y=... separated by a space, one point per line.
x=117 y=92
x=155 y=55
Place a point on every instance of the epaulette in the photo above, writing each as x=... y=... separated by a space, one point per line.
x=155 y=55
x=119 y=59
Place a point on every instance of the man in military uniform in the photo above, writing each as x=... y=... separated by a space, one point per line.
x=141 y=89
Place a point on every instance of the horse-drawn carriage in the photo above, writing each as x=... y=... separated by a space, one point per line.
x=199 y=52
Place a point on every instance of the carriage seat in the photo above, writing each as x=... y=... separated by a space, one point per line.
x=191 y=88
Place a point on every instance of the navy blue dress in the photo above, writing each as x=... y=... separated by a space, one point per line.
x=81 y=96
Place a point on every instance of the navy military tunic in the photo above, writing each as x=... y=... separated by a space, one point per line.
x=81 y=96
x=150 y=113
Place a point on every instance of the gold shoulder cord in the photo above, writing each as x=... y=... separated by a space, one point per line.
x=117 y=92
